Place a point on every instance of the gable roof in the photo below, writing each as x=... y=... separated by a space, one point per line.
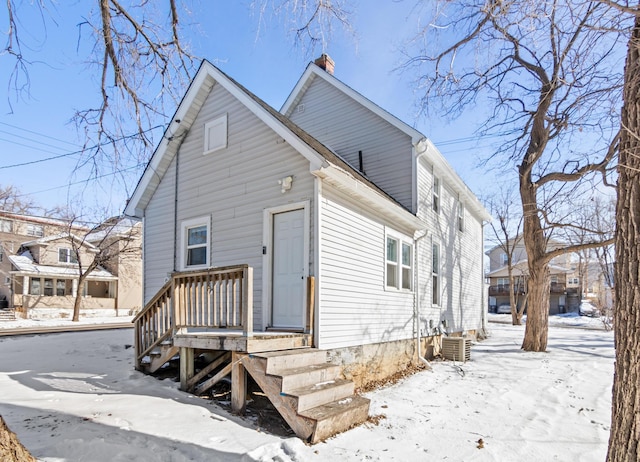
x=44 y=241
x=320 y=157
x=314 y=71
x=424 y=146
x=24 y=264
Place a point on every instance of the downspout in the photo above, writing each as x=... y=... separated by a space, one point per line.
x=416 y=295
x=420 y=150
x=485 y=295
x=175 y=215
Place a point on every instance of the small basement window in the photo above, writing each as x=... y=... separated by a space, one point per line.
x=215 y=134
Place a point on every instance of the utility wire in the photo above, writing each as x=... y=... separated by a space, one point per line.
x=38 y=134
x=22 y=164
x=84 y=181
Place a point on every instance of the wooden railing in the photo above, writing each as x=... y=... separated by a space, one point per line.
x=213 y=298
x=218 y=298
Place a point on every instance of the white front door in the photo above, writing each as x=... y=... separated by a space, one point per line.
x=288 y=270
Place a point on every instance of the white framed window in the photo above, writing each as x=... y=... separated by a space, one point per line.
x=35 y=230
x=435 y=274
x=554 y=279
x=460 y=216
x=195 y=239
x=34 y=286
x=67 y=256
x=504 y=259
x=436 y=194
x=215 y=134
x=6 y=226
x=574 y=280
x=48 y=287
x=61 y=286
x=399 y=262
x=503 y=282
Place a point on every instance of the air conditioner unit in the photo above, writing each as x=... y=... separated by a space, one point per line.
x=456 y=349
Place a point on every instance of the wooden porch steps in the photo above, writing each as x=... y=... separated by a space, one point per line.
x=7 y=315
x=308 y=392
x=160 y=355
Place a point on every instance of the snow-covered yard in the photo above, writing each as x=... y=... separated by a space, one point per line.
x=76 y=397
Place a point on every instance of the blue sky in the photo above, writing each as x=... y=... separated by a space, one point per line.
x=266 y=62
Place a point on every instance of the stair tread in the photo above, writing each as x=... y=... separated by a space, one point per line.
x=304 y=391
x=278 y=353
x=335 y=408
x=305 y=369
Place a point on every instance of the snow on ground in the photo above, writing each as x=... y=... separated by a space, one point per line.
x=44 y=321
x=76 y=397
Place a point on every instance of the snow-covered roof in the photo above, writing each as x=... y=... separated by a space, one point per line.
x=57 y=237
x=24 y=264
x=117 y=227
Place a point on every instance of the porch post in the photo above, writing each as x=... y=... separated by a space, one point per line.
x=238 y=384
x=25 y=285
x=186 y=366
x=247 y=301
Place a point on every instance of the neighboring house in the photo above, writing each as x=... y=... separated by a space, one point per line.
x=121 y=241
x=355 y=234
x=564 y=292
x=43 y=272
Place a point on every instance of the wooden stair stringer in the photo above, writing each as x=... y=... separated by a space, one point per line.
x=271 y=385
x=160 y=359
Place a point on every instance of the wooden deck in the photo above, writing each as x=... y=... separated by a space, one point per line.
x=209 y=314
x=237 y=341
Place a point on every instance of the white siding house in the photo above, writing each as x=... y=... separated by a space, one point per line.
x=332 y=188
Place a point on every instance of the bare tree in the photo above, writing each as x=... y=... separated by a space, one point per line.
x=549 y=72
x=12 y=200
x=312 y=23
x=114 y=238
x=624 y=441
x=507 y=232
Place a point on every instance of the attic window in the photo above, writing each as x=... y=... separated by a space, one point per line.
x=6 y=226
x=67 y=256
x=215 y=134
x=35 y=230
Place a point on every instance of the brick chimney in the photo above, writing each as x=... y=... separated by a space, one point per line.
x=325 y=62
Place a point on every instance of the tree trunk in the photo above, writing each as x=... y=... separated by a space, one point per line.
x=625 y=416
x=515 y=320
x=10 y=447
x=536 y=330
x=78 y=299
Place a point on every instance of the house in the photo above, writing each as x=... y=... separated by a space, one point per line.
x=39 y=265
x=330 y=223
x=564 y=291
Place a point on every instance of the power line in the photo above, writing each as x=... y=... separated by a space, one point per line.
x=22 y=164
x=84 y=181
x=38 y=134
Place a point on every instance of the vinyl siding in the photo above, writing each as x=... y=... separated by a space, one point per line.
x=158 y=235
x=233 y=186
x=461 y=258
x=346 y=127
x=355 y=307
